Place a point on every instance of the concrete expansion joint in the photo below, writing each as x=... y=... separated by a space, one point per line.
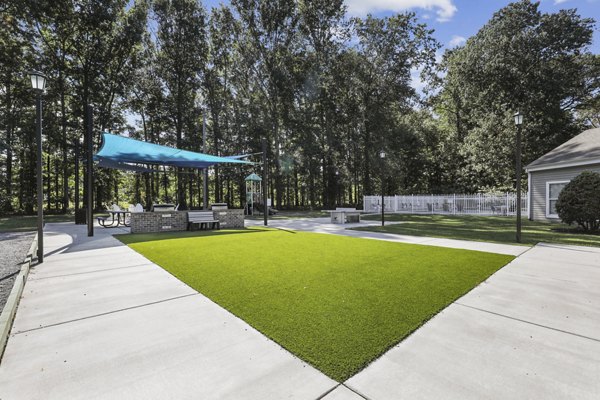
x=34 y=278
x=528 y=322
x=105 y=313
x=342 y=385
x=355 y=391
x=328 y=391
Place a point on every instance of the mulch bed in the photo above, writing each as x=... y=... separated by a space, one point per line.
x=13 y=247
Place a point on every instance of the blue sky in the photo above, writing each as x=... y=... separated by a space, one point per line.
x=456 y=20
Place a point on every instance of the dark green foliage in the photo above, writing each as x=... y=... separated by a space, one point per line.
x=180 y=61
x=579 y=201
x=326 y=91
x=522 y=59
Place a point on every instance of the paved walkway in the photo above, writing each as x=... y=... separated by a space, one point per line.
x=323 y=225
x=531 y=331
x=98 y=320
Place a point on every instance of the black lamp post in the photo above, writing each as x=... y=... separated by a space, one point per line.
x=382 y=157
x=38 y=82
x=518 y=122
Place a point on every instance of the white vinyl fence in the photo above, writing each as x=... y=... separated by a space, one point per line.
x=455 y=204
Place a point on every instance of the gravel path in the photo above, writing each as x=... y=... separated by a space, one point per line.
x=13 y=249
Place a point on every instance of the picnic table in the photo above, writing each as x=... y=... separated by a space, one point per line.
x=121 y=219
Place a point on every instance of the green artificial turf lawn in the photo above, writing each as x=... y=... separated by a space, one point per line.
x=336 y=302
x=486 y=229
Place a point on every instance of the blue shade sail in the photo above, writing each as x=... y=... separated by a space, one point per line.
x=116 y=150
x=105 y=163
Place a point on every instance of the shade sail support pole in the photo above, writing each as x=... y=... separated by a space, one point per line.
x=89 y=171
x=205 y=180
x=265 y=183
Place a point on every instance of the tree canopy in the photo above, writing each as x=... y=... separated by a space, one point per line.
x=326 y=91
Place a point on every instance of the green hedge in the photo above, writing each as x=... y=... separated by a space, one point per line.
x=579 y=201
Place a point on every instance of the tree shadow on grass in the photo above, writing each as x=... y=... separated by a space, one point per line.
x=132 y=238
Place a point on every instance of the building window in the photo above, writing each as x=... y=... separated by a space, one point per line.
x=553 y=189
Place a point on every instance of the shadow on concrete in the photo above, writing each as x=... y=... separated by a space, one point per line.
x=151 y=237
x=77 y=238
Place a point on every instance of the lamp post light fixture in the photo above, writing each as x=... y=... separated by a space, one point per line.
x=38 y=83
x=518 y=122
x=382 y=157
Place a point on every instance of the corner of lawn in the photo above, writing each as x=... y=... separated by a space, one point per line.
x=336 y=302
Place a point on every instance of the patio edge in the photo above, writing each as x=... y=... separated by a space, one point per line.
x=10 y=308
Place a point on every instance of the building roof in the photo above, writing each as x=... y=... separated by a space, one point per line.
x=583 y=149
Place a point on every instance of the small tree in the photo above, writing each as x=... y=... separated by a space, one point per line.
x=579 y=201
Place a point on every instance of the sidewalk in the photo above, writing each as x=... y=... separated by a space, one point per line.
x=324 y=225
x=531 y=331
x=98 y=320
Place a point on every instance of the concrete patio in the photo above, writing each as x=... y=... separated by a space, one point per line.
x=98 y=320
x=324 y=225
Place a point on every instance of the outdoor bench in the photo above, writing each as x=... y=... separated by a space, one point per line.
x=200 y=219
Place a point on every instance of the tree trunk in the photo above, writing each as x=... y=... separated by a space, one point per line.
x=48 y=192
x=63 y=113
x=9 y=152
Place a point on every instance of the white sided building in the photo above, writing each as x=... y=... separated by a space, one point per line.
x=549 y=174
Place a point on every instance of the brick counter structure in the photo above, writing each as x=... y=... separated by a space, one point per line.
x=171 y=221
x=158 y=221
x=230 y=218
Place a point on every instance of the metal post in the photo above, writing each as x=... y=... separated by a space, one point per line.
x=205 y=180
x=382 y=199
x=89 y=170
x=518 y=175
x=265 y=182
x=76 y=179
x=40 y=187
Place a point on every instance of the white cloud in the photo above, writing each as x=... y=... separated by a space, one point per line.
x=445 y=9
x=415 y=80
x=559 y=1
x=456 y=41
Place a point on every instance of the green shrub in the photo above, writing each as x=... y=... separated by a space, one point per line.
x=579 y=201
